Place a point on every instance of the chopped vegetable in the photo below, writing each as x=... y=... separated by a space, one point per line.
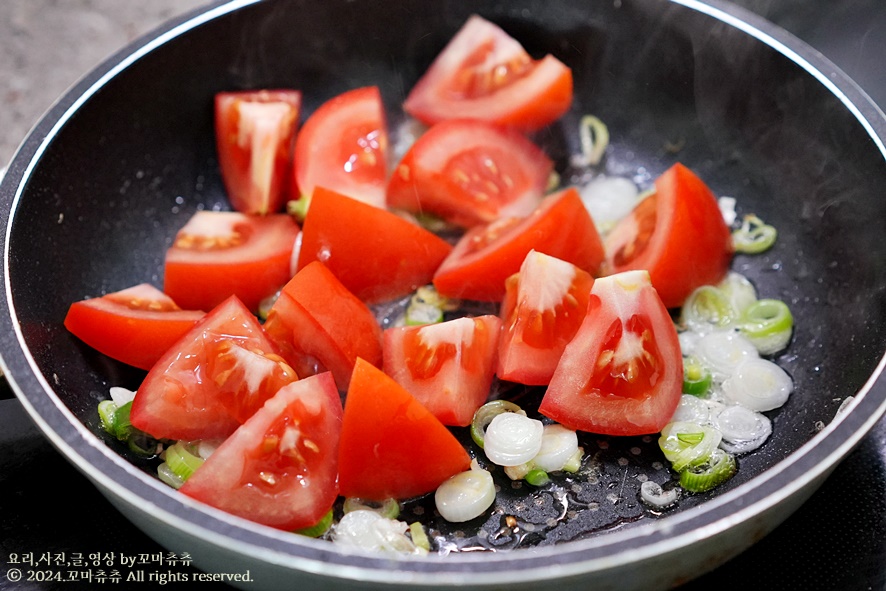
x=466 y=495
x=768 y=324
x=512 y=439
x=717 y=469
x=754 y=236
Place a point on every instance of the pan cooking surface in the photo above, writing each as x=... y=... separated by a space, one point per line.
x=752 y=124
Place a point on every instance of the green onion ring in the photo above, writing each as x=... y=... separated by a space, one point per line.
x=697 y=379
x=754 y=236
x=486 y=413
x=717 y=470
x=319 y=528
x=389 y=508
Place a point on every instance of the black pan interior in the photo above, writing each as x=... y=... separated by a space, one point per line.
x=137 y=158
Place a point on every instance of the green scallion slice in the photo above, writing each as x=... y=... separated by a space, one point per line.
x=754 y=236
x=768 y=324
x=181 y=460
x=697 y=379
x=318 y=529
x=389 y=508
x=717 y=470
x=537 y=477
x=419 y=536
x=486 y=413
x=107 y=412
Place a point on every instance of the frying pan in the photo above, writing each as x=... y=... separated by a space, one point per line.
x=97 y=191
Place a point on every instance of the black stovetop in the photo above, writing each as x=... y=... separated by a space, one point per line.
x=837 y=540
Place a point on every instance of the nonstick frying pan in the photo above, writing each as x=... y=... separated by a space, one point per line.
x=97 y=191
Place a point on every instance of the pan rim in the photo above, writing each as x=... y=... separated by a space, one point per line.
x=812 y=460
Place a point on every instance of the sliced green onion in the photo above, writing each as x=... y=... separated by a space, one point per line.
x=107 y=412
x=594 y=136
x=122 y=425
x=754 y=236
x=419 y=536
x=465 y=496
x=740 y=291
x=389 y=508
x=537 y=477
x=697 y=379
x=768 y=325
x=719 y=468
x=686 y=444
x=758 y=384
x=512 y=439
x=167 y=476
x=707 y=308
x=181 y=460
x=657 y=497
x=486 y=413
x=574 y=463
x=298 y=208
x=426 y=307
x=318 y=529
x=558 y=445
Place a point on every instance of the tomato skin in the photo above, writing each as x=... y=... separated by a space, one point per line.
x=212 y=379
x=343 y=147
x=222 y=253
x=602 y=385
x=544 y=305
x=391 y=446
x=136 y=325
x=318 y=318
x=487 y=255
x=447 y=366
x=279 y=468
x=470 y=172
x=255 y=131
x=485 y=74
x=377 y=255
x=680 y=238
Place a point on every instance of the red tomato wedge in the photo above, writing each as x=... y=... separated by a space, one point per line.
x=447 y=366
x=343 y=146
x=392 y=446
x=136 y=325
x=487 y=255
x=222 y=253
x=212 y=380
x=678 y=235
x=622 y=374
x=544 y=305
x=316 y=321
x=469 y=172
x=254 y=134
x=376 y=254
x=280 y=467
x=483 y=73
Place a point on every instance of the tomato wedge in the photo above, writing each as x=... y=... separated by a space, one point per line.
x=447 y=366
x=318 y=324
x=391 y=446
x=212 y=380
x=487 y=255
x=544 y=305
x=622 y=374
x=678 y=235
x=280 y=467
x=483 y=73
x=222 y=253
x=136 y=325
x=469 y=172
x=343 y=146
x=376 y=254
x=254 y=134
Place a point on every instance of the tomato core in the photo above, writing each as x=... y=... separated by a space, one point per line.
x=644 y=217
x=478 y=77
x=629 y=364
